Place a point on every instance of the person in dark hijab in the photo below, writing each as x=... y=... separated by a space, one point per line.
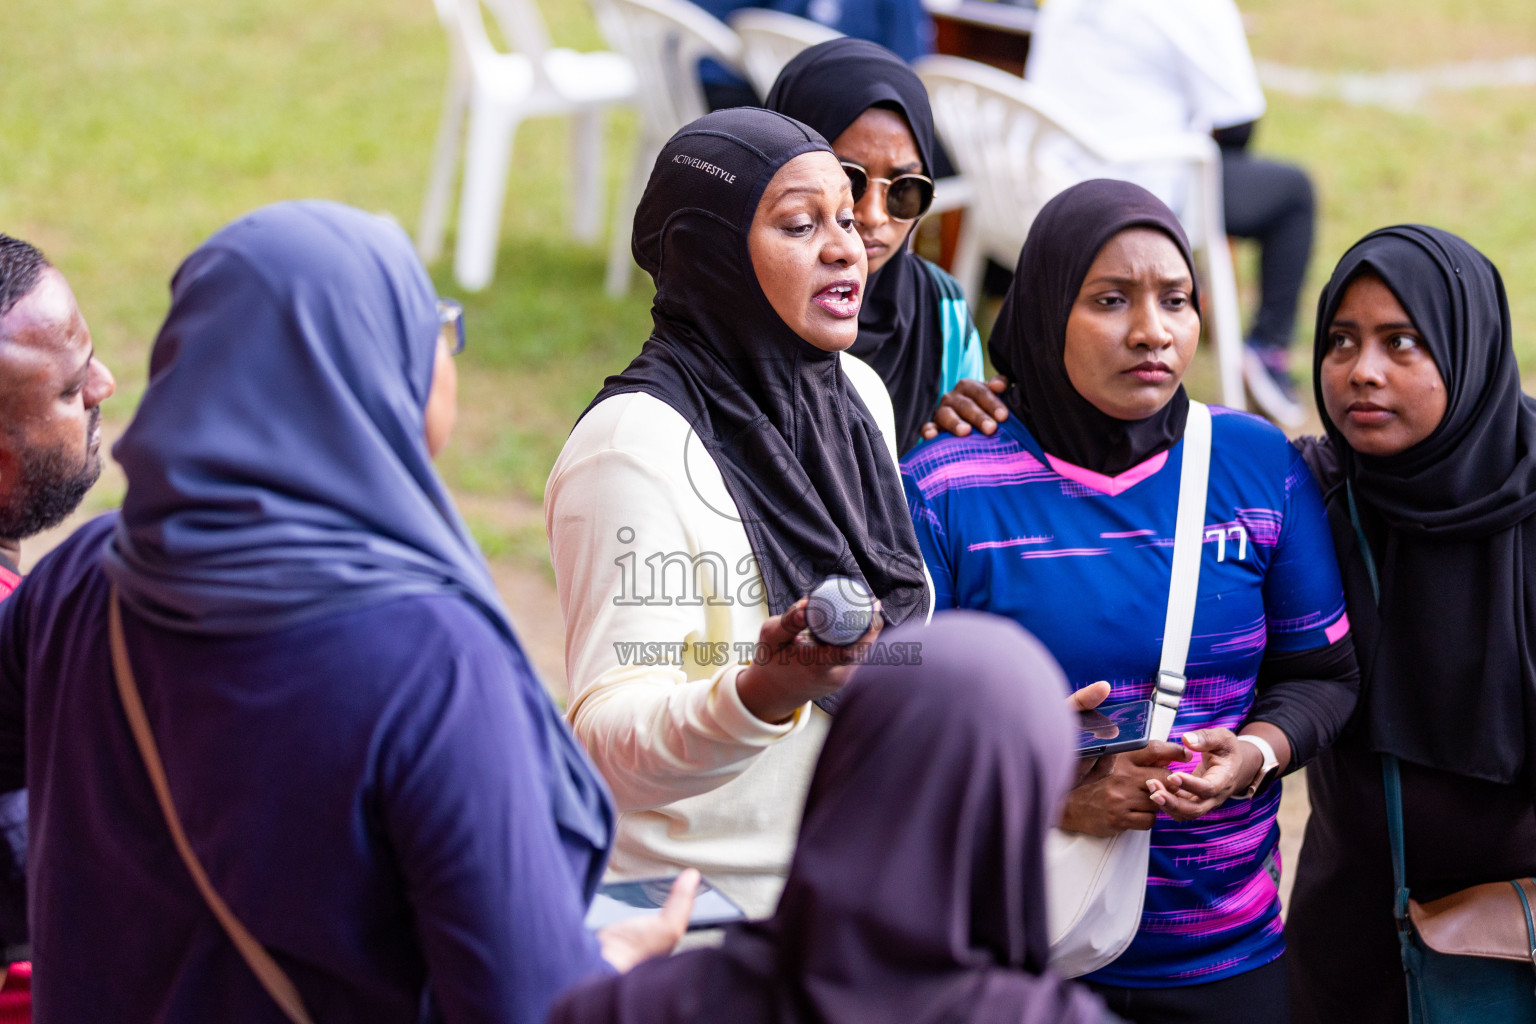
x=1432 y=445
x=917 y=892
x=739 y=460
x=1030 y=348
x=1063 y=521
x=914 y=326
x=359 y=752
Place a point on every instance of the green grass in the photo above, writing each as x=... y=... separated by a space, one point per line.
x=1462 y=161
x=132 y=129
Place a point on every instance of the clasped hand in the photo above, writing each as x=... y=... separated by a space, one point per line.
x=1226 y=766
x=1121 y=792
x=1115 y=795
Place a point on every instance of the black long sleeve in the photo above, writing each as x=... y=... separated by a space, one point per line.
x=1308 y=695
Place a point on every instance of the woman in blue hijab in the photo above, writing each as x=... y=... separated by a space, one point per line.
x=358 y=750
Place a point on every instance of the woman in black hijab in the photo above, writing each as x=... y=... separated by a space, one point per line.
x=914 y=327
x=917 y=892
x=1433 y=444
x=740 y=459
x=1063 y=521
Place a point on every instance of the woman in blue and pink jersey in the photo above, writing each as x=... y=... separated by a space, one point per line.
x=1063 y=520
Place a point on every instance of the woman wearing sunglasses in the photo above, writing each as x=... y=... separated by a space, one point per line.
x=914 y=327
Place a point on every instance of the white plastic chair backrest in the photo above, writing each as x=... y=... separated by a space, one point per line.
x=522 y=25
x=665 y=40
x=453 y=22
x=771 y=39
x=993 y=124
x=519 y=22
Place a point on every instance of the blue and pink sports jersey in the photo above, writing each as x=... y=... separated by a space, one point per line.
x=1083 y=561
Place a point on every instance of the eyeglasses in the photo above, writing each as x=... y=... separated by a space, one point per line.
x=907 y=196
x=452 y=312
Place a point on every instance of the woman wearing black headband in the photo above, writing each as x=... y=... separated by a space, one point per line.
x=740 y=459
x=914 y=326
x=1433 y=444
x=1063 y=520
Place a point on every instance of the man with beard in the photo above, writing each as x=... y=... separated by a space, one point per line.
x=51 y=390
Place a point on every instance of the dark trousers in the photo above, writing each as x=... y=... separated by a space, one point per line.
x=1271 y=203
x=1256 y=997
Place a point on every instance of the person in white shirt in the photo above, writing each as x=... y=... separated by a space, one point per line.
x=1139 y=69
x=740 y=459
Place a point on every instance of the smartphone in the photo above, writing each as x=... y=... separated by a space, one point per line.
x=617 y=901
x=1114 y=729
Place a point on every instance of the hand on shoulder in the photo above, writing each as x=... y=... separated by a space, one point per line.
x=971 y=404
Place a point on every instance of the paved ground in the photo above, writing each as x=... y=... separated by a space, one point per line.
x=1401 y=89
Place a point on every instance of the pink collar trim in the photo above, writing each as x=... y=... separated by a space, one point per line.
x=1111 y=485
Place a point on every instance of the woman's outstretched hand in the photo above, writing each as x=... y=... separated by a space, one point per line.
x=626 y=943
x=785 y=675
x=971 y=404
x=1226 y=767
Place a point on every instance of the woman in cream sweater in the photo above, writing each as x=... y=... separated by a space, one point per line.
x=737 y=462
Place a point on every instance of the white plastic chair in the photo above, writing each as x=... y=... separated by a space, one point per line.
x=664 y=40
x=771 y=39
x=499 y=90
x=1002 y=132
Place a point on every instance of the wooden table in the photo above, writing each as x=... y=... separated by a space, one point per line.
x=989 y=31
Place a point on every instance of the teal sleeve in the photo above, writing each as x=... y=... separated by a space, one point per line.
x=962 y=354
x=962 y=345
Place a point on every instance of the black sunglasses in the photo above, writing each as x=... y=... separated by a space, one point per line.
x=907 y=196
x=450 y=311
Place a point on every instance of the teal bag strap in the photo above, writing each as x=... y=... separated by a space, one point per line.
x=1391 y=774
x=1393 y=780
x=1366 y=554
x=1530 y=925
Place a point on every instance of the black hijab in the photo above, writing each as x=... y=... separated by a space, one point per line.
x=901 y=332
x=917 y=890
x=1447 y=660
x=1028 y=344
x=802 y=458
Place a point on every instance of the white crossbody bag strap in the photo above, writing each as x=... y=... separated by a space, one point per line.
x=1188 y=539
x=1097 y=885
x=271 y=976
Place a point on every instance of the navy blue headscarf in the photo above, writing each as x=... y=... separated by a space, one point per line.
x=277 y=467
